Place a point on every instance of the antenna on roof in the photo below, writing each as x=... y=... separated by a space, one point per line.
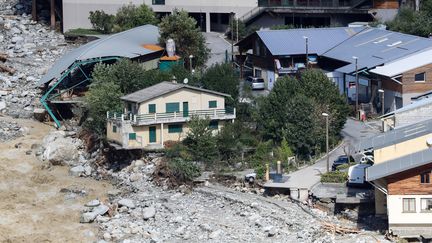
x=186 y=80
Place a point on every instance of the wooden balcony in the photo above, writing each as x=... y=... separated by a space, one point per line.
x=172 y=117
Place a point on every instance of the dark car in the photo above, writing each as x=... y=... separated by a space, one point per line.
x=343 y=159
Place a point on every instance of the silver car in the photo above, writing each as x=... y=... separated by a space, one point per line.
x=256 y=83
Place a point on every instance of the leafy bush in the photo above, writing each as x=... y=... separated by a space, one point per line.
x=183 y=170
x=200 y=141
x=101 y=21
x=222 y=78
x=130 y=16
x=334 y=177
x=177 y=150
x=344 y=166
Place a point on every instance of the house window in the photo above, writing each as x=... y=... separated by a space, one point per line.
x=152 y=108
x=132 y=136
x=258 y=73
x=420 y=77
x=114 y=129
x=212 y=104
x=214 y=125
x=408 y=205
x=176 y=128
x=158 y=2
x=172 y=107
x=426 y=205
x=425 y=178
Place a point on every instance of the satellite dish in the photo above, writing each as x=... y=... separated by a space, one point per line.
x=185 y=81
x=429 y=142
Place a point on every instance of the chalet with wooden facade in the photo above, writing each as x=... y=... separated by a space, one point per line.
x=160 y=113
x=401 y=177
x=397 y=63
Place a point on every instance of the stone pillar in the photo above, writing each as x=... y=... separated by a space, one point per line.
x=162 y=134
x=53 y=19
x=34 y=10
x=208 y=22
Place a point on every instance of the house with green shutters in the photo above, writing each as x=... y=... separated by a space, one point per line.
x=157 y=114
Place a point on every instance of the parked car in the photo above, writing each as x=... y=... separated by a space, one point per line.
x=357 y=175
x=256 y=83
x=343 y=159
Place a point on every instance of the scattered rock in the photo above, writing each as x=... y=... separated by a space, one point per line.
x=77 y=170
x=93 y=203
x=89 y=217
x=127 y=203
x=149 y=212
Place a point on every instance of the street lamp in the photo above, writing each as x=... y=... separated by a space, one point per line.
x=232 y=36
x=382 y=100
x=190 y=62
x=327 y=139
x=307 y=50
x=357 y=85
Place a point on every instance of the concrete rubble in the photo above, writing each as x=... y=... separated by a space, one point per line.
x=9 y=131
x=29 y=48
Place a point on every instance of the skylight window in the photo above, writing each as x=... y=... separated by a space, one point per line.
x=380 y=41
x=394 y=43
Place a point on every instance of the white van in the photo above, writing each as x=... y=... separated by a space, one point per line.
x=357 y=174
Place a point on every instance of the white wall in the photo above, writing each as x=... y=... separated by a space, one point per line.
x=396 y=216
x=76 y=12
x=338 y=80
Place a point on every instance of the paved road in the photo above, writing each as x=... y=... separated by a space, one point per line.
x=218 y=46
x=353 y=132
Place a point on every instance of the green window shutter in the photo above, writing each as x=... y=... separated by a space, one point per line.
x=114 y=129
x=212 y=104
x=214 y=124
x=152 y=108
x=132 y=136
x=172 y=107
x=176 y=128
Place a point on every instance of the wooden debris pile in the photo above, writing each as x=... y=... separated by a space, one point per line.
x=336 y=229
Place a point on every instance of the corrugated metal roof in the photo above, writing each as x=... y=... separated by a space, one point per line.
x=374 y=47
x=161 y=89
x=401 y=164
x=396 y=136
x=292 y=41
x=404 y=64
x=412 y=106
x=127 y=44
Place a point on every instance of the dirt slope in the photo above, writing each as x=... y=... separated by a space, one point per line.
x=32 y=208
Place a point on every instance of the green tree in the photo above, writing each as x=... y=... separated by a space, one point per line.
x=293 y=109
x=130 y=16
x=200 y=141
x=222 y=78
x=102 y=97
x=233 y=138
x=411 y=22
x=102 y=21
x=187 y=36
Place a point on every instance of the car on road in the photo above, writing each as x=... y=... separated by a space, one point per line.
x=256 y=83
x=343 y=159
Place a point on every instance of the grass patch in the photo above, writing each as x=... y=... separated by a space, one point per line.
x=80 y=32
x=334 y=177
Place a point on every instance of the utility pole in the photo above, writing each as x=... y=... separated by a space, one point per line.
x=327 y=139
x=357 y=86
x=232 y=37
x=307 y=51
x=190 y=63
x=237 y=35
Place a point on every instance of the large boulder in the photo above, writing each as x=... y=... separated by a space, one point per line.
x=60 y=150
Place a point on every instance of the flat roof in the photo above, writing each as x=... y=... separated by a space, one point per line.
x=391 y=167
x=396 y=136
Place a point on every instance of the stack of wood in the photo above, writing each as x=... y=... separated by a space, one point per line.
x=4 y=68
x=336 y=229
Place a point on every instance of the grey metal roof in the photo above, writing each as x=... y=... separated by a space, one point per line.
x=412 y=106
x=374 y=47
x=161 y=89
x=401 y=164
x=291 y=41
x=396 y=136
x=127 y=44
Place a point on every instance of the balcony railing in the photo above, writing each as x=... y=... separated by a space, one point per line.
x=308 y=3
x=180 y=116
